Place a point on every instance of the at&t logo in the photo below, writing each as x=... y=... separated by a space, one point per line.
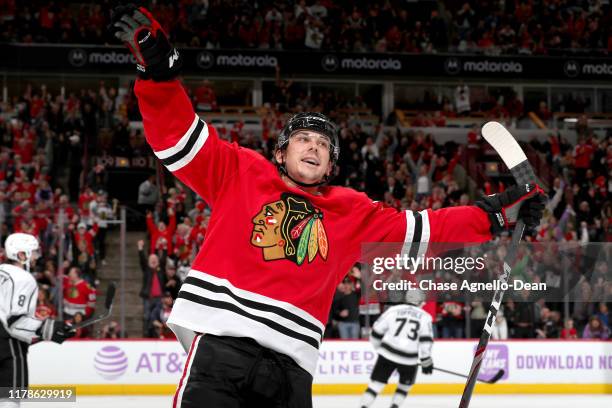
x=111 y=362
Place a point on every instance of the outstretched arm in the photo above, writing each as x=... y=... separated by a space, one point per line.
x=413 y=167
x=467 y=224
x=185 y=144
x=150 y=224
x=172 y=221
x=459 y=225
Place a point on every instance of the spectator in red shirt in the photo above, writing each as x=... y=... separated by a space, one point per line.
x=19 y=211
x=27 y=190
x=44 y=307
x=247 y=32
x=569 y=331
x=64 y=205
x=77 y=295
x=198 y=232
x=36 y=105
x=583 y=153
x=84 y=238
x=85 y=198
x=182 y=242
x=175 y=198
x=453 y=319
x=83 y=251
x=161 y=235
x=205 y=97
x=29 y=224
x=153 y=282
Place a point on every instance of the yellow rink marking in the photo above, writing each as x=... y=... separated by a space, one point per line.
x=352 y=389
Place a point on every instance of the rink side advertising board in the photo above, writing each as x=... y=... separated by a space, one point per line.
x=154 y=367
x=88 y=59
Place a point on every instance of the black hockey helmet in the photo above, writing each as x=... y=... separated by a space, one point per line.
x=316 y=122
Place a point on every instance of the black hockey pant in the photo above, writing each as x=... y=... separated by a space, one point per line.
x=383 y=369
x=13 y=366
x=231 y=372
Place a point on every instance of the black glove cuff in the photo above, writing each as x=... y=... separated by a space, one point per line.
x=496 y=217
x=162 y=71
x=164 y=62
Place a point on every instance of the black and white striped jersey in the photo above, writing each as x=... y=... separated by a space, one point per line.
x=403 y=334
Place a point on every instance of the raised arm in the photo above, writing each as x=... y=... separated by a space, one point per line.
x=171 y=221
x=394 y=141
x=413 y=167
x=185 y=144
x=432 y=169
x=142 y=257
x=150 y=224
x=556 y=199
x=414 y=230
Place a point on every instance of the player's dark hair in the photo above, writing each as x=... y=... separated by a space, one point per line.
x=316 y=122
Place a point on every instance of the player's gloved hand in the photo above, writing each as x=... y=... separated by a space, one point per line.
x=427 y=365
x=143 y=35
x=525 y=202
x=55 y=331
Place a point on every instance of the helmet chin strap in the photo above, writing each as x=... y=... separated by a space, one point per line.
x=24 y=264
x=283 y=170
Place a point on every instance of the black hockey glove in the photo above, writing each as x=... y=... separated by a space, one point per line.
x=143 y=35
x=55 y=331
x=524 y=202
x=427 y=366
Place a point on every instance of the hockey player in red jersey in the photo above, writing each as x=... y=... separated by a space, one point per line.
x=252 y=311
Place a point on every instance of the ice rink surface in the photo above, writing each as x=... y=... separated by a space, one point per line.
x=352 y=401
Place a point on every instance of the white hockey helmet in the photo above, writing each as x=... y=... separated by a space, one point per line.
x=20 y=242
x=415 y=297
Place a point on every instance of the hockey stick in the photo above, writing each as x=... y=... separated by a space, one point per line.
x=492 y=380
x=108 y=303
x=513 y=156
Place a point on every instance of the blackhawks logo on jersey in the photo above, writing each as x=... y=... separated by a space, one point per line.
x=290 y=228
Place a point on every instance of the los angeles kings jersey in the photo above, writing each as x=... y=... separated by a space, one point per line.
x=403 y=334
x=273 y=254
x=18 y=297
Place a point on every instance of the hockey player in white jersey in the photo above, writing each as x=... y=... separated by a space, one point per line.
x=402 y=337
x=18 y=326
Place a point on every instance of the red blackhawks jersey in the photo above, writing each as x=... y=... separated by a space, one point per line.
x=79 y=297
x=273 y=254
